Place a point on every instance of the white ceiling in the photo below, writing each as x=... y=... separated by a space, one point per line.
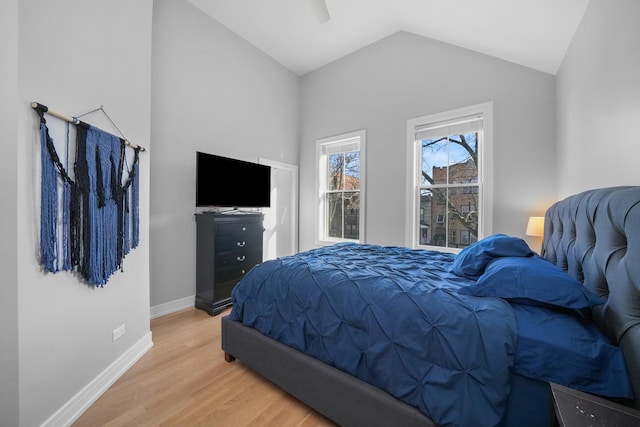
x=533 y=33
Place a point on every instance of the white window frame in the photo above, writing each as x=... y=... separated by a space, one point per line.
x=321 y=185
x=485 y=172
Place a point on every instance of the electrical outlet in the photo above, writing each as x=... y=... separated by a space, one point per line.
x=118 y=332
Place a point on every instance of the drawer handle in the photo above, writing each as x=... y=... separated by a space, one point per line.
x=241 y=244
x=241 y=258
x=244 y=228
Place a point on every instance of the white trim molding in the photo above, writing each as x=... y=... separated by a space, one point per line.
x=172 y=306
x=74 y=408
x=293 y=196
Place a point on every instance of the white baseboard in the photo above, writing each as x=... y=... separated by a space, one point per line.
x=172 y=306
x=75 y=407
x=78 y=404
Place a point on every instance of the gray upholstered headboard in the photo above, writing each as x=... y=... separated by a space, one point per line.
x=595 y=237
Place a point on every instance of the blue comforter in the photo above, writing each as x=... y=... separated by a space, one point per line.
x=391 y=317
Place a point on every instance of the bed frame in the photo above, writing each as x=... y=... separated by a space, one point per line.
x=594 y=236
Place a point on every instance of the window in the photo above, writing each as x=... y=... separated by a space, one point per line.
x=449 y=186
x=466 y=238
x=341 y=188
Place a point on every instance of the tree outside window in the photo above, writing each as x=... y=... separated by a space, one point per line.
x=448 y=188
x=343 y=195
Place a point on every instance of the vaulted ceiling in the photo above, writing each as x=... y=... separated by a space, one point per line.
x=297 y=33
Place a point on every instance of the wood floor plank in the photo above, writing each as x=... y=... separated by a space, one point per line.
x=184 y=381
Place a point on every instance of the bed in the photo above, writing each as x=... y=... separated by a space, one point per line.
x=482 y=364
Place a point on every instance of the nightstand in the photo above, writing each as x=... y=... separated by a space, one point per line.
x=576 y=409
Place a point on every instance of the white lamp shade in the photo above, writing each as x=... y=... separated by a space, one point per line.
x=535 y=226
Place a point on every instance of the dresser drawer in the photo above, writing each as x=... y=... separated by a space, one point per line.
x=232 y=274
x=228 y=243
x=239 y=229
x=244 y=257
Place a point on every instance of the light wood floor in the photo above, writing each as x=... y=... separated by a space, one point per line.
x=184 y=381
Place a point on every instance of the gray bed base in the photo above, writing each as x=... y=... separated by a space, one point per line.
x=349 y=401
x=340 y=397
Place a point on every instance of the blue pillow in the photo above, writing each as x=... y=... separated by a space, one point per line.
x=533 y=281
x=558 y=347
x=472 y=260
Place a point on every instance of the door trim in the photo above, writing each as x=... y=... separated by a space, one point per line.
x=294 y=196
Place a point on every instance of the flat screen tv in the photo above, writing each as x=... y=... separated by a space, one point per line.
x=225 y=182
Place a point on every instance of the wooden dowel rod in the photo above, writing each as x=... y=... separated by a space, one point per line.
x=61 y=116
x=74 y=120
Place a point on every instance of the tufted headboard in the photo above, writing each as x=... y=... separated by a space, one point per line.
x=595 y=237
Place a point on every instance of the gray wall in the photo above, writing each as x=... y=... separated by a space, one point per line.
x=9 y=214
x=598 y=89
x=212 y=92
x=405 y=76
x=75 y=56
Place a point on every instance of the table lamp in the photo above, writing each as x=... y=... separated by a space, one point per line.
x=535 y=226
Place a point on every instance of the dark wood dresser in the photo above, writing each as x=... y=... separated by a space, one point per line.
x=227 y=247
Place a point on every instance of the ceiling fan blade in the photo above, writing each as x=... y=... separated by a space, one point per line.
x=320 y=6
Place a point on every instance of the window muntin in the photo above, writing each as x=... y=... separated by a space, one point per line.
x=341 y=179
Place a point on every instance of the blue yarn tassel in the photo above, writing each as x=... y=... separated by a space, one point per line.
x=126 y=241
x=135 y=205
x=48 y=206
x=105 y=213
x=103 y=151
x=66 y=226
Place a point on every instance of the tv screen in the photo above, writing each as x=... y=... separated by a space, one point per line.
x=225 y=182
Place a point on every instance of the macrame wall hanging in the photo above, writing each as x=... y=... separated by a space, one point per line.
x=89 y=214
